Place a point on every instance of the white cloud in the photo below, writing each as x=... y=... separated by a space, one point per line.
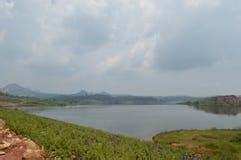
x=66 y=8
x=100 y=38
x=132 y=4
x=203 y=3
x=6 y=8
x=135 y=57
x=141 y=53
x=108 y=64
x=74 y=27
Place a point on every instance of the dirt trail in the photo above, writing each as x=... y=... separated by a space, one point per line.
x=14 y=147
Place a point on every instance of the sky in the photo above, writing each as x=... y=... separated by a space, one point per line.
x=141 y=47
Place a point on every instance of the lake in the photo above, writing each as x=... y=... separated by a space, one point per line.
x=140 y=121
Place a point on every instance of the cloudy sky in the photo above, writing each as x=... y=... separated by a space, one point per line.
x=142 y=47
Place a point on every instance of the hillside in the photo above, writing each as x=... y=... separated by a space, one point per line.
x=14 y=101
x=109 y=99
x=220 y=104
x=17 y=90
x=67 y=141
x=212 y=144
x=227 y=101
x=84 y=97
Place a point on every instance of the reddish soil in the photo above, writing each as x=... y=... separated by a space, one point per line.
x=14 y=147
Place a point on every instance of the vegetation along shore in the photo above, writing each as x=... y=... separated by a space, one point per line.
x=68 y=141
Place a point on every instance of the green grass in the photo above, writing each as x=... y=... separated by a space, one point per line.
x=64 y=140
x=209 y=144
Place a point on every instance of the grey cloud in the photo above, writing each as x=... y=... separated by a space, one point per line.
x=188 y=51
x=86 y=33
x=206 y=39
x=187 y=40
x=46 y=69
x=21 y=30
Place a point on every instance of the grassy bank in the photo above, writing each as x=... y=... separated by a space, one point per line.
x=209 y=144
x=66 y=140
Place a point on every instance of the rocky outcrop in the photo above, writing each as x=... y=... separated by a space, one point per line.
x=14 y=147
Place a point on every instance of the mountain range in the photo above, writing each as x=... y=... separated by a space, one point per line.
x=17 y=90
x=85 y=97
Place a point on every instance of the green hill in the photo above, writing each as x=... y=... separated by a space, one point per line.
x=219 y=104
x=14 y=101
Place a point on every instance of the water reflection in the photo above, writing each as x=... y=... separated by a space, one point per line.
x=142 y=121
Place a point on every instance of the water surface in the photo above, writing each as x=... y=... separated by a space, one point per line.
x=140 y=121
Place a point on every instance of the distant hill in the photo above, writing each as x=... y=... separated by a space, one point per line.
x=229 y=104
x=85 y=97
x=176 y=99
x=15 y=101
x=17 y=90
x=101 y=98
x=81 y=93
x=107 y=98
x=2 y=94
x=225 y=101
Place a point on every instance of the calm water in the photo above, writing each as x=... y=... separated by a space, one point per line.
x=142 y=121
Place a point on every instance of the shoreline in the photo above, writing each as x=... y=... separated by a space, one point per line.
x=66 y=140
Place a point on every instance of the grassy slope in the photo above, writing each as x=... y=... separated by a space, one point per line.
x=211 y=144
x=66 y=140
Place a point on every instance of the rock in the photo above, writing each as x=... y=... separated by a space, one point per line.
x=33 y=150
x=4 y=131
x=2 y=153
x=17 y=147
x=9 y=136
x=30 y=153
x=16 y=140
x=4 y=145
x=31 y=145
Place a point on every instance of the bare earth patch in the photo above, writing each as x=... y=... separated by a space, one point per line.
x=14 y=147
